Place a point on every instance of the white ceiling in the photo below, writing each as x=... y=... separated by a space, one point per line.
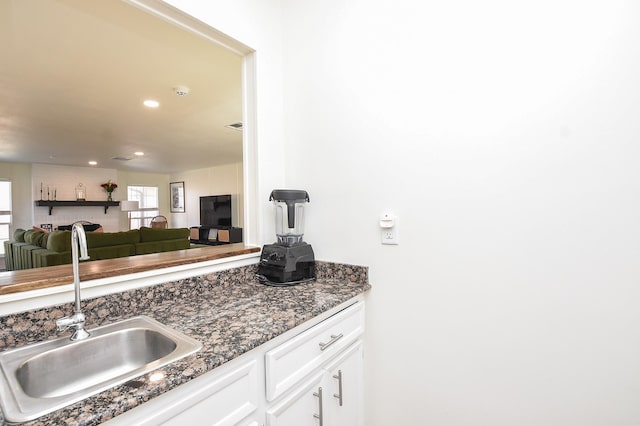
x=74 y=74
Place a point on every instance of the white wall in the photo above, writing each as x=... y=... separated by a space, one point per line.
x=219 y=180
x=64 y=180
x=504 y=135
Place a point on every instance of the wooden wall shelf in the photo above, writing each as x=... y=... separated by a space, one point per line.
x=52 y=204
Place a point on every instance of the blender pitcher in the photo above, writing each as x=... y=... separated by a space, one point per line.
x=289 y=208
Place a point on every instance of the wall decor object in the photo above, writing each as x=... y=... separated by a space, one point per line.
x=109 y=187
x=176 y=194
x=81 y=192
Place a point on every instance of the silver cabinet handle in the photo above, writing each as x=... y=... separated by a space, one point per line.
x=339 y=394
x=334 y=339
x=319 y=416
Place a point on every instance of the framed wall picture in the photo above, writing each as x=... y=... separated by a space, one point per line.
x=176 y=192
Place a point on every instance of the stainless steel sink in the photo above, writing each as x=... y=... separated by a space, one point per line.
x=41 y=378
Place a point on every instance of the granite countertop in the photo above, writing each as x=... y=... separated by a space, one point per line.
x=230 y=312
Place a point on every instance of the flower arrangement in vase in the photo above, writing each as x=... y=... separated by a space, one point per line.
x=109 y=187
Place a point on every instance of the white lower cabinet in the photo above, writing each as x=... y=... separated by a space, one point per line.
x=331 y=397
x=316 y=378
x=310 y=376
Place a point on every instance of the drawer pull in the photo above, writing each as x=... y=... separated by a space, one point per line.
x=334 y=339
x=319 y=416
x=339 y=394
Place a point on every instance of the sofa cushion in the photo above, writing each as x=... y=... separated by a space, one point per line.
x=27 y=235
x=8 y=255
x=112 y=252
x=59 y=241
x=26 y=254
x=109 y=239
x=152 y=235
x=17 y=254
x=43 y=241
x=50 y=258
x=162 y=246
x=18 y=235
x=33 y=237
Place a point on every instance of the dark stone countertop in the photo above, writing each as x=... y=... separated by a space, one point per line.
x=230 y=312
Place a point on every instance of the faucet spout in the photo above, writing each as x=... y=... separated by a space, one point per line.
x=78 y=252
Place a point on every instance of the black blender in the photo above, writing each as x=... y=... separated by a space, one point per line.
x=290 y=260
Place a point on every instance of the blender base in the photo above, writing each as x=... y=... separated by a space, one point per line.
x=282 y=265
x=265 y=281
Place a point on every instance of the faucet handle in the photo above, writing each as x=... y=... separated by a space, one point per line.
x=74 y=320
x=63 y=323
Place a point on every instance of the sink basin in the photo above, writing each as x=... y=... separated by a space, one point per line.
x=41 y=378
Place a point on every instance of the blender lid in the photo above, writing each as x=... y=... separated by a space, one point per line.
x=290 y=195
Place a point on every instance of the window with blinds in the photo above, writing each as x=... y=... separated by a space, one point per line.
x=147 y=197
x=5 y=212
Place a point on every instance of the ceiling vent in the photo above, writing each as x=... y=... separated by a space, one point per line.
x=119 y=158
x=235 y=126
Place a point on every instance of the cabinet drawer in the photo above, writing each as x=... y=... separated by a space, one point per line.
x=224 y=401
x=290 y=362
x=230 y=395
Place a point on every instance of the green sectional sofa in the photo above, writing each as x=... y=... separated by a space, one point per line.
x=34 y=248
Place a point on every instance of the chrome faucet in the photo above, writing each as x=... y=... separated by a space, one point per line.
x=76 y=321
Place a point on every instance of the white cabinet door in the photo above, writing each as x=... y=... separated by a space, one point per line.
x=343 y=388
x=302 y=407
x=332 y=397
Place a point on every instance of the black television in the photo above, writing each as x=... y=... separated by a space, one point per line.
x=215 y=211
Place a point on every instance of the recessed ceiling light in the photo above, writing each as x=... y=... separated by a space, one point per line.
x=139 y=153
x=151 y=103
x=93 y=163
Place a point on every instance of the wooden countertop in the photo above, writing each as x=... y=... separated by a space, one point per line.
x=37 y=278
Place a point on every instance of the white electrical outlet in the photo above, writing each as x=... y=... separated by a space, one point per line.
x=389 y=228
x=388 y=237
